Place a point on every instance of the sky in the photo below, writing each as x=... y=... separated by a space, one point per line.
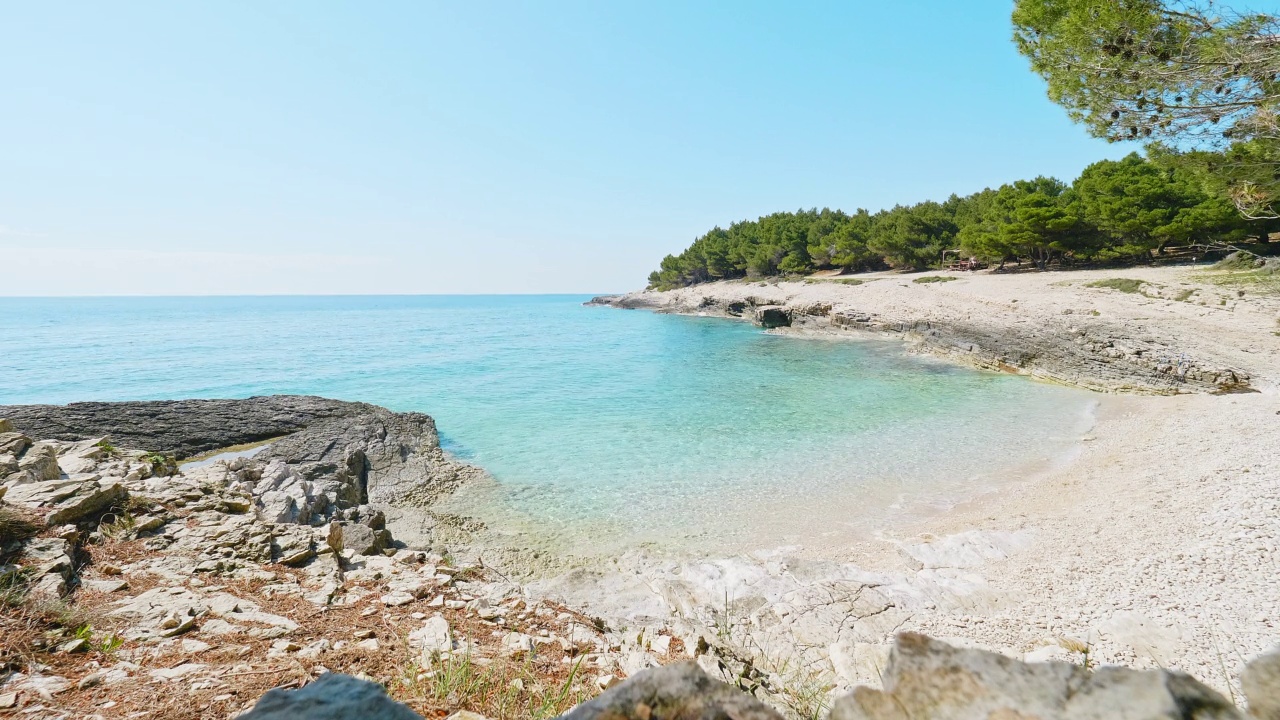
x=317 y=147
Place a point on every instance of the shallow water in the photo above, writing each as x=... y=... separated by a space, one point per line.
x=620 y=426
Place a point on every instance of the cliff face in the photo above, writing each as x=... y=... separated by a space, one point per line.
x=1152 y=342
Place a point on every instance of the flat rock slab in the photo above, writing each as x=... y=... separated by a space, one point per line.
x=180 y=428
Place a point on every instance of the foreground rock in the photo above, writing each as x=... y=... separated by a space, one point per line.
x=122 y=571
x=332 y=697
x=674 y=691
x=927 y=678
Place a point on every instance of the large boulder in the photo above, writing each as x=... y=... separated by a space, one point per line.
x=926 y=678
x=681 y=691
x=332 y=697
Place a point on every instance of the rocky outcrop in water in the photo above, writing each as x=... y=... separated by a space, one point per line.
x=327 y=456
x=181 y=428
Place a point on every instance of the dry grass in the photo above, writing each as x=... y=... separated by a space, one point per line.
x=238 y=670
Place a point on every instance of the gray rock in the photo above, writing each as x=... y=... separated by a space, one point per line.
x=331 y=697
x=38 y=463
x=180 y=428
x=330 y=455
x=45 y=494
x=1261 y=684
x=13 y=443
x=674 y=691
x=928 y=678
x=364 y=540
x=293 y=546
x=91 y=497
x=49 y=555
x=772 y=317
x=333 y=538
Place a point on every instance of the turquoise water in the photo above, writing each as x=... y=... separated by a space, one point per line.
x=642 y=425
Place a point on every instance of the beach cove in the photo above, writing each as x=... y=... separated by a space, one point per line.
x=1149 y=535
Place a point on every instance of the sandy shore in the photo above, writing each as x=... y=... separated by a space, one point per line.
x=1155 y=545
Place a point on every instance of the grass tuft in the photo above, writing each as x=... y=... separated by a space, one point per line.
x=501 y=689
x=1125 y=285
x=934 y=279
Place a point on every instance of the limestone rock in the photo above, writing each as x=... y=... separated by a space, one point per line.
x=772 y=317
x=48 y=555
x=45 y=494
x=928 y=678
x=432 y=637
x=160 y=612
x=13 y=443
x=674 y=691
x=363 y=540
x=40 y=462
x=90 y=498
x=1261 y=684
x=333 y=455
x=332 y=697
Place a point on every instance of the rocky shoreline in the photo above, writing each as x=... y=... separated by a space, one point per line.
x=122 y=571
x=216 y=579
x=1164 y=338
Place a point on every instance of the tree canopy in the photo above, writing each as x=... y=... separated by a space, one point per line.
x=1125 y=208
x=1199 y=81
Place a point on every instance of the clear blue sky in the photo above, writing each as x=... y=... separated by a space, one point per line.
x=432 y=147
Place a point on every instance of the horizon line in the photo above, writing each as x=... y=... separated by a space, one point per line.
x=301 y=295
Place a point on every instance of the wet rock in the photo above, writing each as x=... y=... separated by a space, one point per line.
x=332 y=697
x=674 y=691
x=928 y=678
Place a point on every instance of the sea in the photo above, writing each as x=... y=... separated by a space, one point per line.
x=602 y=428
